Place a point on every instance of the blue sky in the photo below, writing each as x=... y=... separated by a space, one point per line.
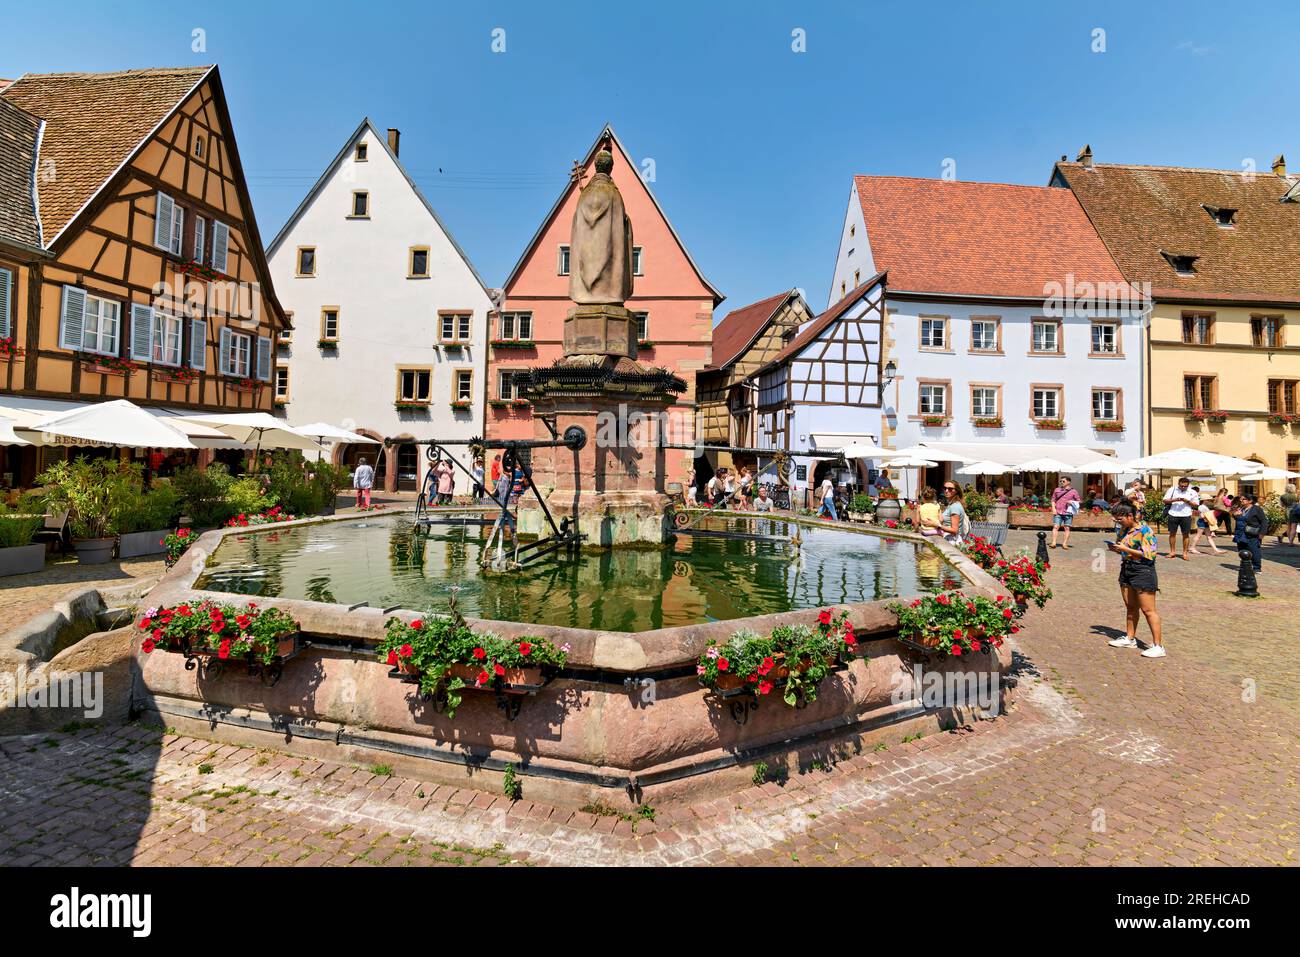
x=754 y=144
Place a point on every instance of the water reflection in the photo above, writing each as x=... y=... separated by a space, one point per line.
x=385 y=562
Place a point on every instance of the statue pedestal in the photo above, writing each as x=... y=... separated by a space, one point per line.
x=600 y=330
x=613 y=489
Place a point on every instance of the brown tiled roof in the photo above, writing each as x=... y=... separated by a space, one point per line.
x=1142 y=211
x=18 y=135
x=815 y=328
x=738 y=328
x=980 y=239
x=93 y=122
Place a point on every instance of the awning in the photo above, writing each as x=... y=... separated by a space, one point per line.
x=1010 y=454
x=117 y=423
x=7 y=436
x=823 y=441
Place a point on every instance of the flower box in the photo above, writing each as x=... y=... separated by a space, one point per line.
x=1214 y=416
x=934 y=421
x=989 y=423
x=245 y=385
x=211 y=635
x=411 y=406
x=645 y=344
x=178 y=376
x=520 y=404
x=22 y=559
x=191 y=268
x=135 y=544
x=513 y=344
x=10 y=351
x=1282 y=418
x=108 y=366
x=328 y=344
x=954 y=624
x=1050 y=425
x=1108 y=426
x=462 y=405
x=498 y=403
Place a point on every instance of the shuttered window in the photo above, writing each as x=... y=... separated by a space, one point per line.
x=235 y=353
x=223 y=352
x=169 y=224
x=6 y=303
x=88 y=323
x=166 y=339
x=220 y=246
x=141 y=333
x=199 y=237
x=198 y=343
x=264 y=358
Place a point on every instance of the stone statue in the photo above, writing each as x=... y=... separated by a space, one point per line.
x=600 y=248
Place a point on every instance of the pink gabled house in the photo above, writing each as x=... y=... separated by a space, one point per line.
x=672 y=298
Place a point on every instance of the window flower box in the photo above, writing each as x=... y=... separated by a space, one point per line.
x=934 y=421
x=8 y=350
x=245 y=384
x=793 y=660
x=462 y=405
x=645 y=344
x=191 y=268
x=520 y=404
x=181 y=376
x=1214 y=416
x=108 y=365
x=513 y=344
x=1108 y=426
x=1282 y=418
x=952 y=624
x=402 y=405
x=445 y=658
x=498 y=403
x=1051 y=425
x=990 y=422
x=329 y=345
x=280 y=403
x=211 y=635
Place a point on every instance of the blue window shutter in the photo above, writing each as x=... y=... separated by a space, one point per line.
x=198 y=343
x=264 y=358
x=6 y=301
x=72 y=318
x=141 y=333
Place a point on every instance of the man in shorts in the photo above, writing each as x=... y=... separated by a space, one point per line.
x=1181 y=501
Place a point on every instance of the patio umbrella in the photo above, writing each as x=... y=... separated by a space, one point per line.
x=119 y=422
x=1045 y=465
x=861 y=450
x=1192 y=460
x=7 y=435
x=322 y=431
x=1106 y=465
x=1269 y=474
x=911 y=462
x=920 y=451
x=257 y=429
x=985 y=468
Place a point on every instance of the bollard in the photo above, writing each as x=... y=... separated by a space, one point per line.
x=1040 y=556
x=1247 y=586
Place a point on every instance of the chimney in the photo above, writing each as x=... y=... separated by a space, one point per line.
x=1279 y=165
x=1085 y=156
x=394 y=139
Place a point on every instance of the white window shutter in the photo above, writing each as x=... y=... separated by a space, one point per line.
x=264 y=358
x=6 y=301
x=220 y=245
x=72 y=318
x=198 y=240
x=224 y=358
x=178 y=229
x=162 y=221
x=198 y=343
x=141 y=332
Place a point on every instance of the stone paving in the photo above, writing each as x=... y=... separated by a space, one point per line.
x=23 y=596
x=1105 y=758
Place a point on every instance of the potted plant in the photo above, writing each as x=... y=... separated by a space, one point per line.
x=95 y=494
x=1050 y=425
x=954 y=624
x=1108 y=426
x=218 y=633
x=8 y=350
x=1279 y=418
x=887 y=507
x=145 y=522
x=988 y=422
x=861 y=507
x=177 y=542
x=18 y=556
x=981 y=551
x=461 y=405
x=934 y=421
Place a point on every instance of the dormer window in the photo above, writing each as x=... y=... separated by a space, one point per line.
x=1223 y=216
x=1182 y=264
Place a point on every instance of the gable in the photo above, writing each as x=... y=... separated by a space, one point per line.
x=669 y=270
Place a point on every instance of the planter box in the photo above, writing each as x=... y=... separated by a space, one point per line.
x=94 y=551
x=514 y=679
x=135 y=544
x=1084 y=520
x=22 y=559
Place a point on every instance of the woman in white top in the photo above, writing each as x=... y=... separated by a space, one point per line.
x=1206 y=522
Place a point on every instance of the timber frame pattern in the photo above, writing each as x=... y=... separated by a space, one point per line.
x=108 y=250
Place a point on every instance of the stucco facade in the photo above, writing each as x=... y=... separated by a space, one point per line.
x=387 y=309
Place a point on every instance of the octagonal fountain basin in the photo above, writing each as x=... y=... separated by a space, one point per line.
x=387 y=562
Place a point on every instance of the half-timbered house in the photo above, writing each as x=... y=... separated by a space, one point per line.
x=131 y=265
x=823 y=389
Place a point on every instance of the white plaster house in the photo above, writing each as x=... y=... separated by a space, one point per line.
x=823 y=389
x=390 y=318
x=1009 y=325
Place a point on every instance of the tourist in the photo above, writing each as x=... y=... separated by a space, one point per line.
x=716 y=490
x=691 y=493
x=1180 y=502
x=446 y=474
x=926 y=518
x=827 y=497
x=1065 y=505
x=362 y=480
x=479 y=490
x=763 y=501
x=1252 y=525
x=1291 y=504
x=1223 y=509
x=999 y=496
x=746 y=488
x=1205 y=524
x=953 y=523
x=1137 y=578
x=883 y=481
x=501 y=495
x=495 y=473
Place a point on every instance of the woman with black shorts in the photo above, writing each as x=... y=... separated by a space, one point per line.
x=1137 y=578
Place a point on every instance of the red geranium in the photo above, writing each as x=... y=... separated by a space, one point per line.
x=418 y=623
x=406 y=651
x=392 y=657
x=148 y=645
x=723 y=663
x=480 y=654
x=525 y=648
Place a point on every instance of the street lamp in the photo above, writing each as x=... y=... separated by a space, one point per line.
x=891 y=372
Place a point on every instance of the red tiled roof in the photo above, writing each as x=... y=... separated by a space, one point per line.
x=739 y=327
x=983 y=239
x=1142 y=211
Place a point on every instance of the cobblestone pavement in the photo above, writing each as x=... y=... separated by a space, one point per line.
x=1106 y=758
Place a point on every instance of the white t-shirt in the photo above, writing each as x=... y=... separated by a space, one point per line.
x=828 y=490
x=1181 y=503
